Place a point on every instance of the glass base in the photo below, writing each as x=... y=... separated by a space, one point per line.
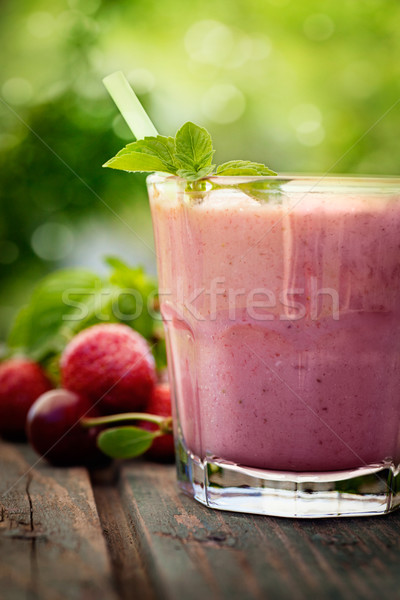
x=365 y=491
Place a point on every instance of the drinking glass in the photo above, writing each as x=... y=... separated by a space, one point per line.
x=280 y=298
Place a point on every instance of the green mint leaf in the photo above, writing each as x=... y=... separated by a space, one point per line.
x=125 y=442
x=147 y=155
x=194 y=151
x=243 y=167
x=136 y=162
x=189 y=155
x=194 y=175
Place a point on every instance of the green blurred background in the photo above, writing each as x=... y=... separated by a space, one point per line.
x=292 y=84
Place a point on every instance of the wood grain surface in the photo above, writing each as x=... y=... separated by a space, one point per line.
x=51 y=543
x=193 y=552
x=131 y=577
x=128 y=533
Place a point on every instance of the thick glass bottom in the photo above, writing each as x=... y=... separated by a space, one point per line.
x=365 y=491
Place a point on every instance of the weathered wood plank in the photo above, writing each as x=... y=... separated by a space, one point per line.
x=193 y=552
x=51 y=544
x=130 y=576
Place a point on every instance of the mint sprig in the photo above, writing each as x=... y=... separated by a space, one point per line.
x=188 y=155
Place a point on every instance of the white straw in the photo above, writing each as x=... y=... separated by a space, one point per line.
x=129 y=105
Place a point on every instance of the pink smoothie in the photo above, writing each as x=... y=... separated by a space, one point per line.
x=283 y=322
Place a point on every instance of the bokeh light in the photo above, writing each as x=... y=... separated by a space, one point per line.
x=293 y=84
x=318 y=27
x=223 y=103
x=17 y=91
x=40 y=24
x=52 y=241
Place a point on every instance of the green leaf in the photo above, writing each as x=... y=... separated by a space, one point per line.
x=56 y=309
x=125 y=442
x=136 y=162
x=115 y=262
x=161 y=147
x=194 y=150
x=67 y=301
x=243 y=167
x=146 y=155
x=124 y=275
x=137 y=286
x=189 y=156
x=194 y=175
x=136 y=294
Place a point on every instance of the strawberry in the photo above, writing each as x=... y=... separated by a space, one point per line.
x=22 y=381
x=159 y=403
x=112 y=365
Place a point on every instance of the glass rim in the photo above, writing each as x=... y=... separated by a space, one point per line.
x=316 y=179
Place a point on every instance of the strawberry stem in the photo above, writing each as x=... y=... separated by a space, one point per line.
x=164 y=423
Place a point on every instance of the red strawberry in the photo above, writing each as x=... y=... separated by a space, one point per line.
x=53 y=429
x=22 y=381
x=111 y=364
x=162 y=449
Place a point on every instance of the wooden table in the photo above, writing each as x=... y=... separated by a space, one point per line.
x=127 y=532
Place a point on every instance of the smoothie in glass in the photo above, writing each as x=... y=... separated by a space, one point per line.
x=281 y=301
